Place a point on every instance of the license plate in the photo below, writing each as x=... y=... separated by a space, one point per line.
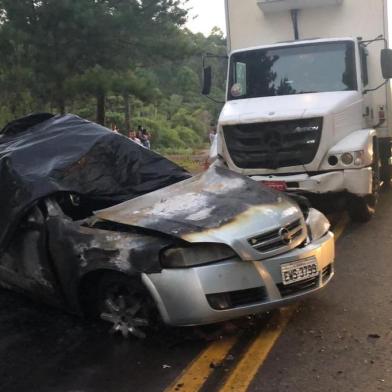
x=299 y=271
x=277 y=185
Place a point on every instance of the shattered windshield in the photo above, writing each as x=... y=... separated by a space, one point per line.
x=298 y=69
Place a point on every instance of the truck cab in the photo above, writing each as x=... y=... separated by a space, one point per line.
x=309 y=114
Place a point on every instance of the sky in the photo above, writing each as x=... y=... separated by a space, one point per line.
x=206 y=14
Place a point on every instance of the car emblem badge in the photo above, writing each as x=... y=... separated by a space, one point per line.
x=285 y=235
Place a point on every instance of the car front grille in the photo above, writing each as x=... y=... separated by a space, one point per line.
x=298 y=287
x=326 y=273
x=272 y=145
x=273 y=239
x=234 y=299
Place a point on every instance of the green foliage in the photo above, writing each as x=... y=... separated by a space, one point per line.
x=129 y=58
x=188 y=136
x=167 y=138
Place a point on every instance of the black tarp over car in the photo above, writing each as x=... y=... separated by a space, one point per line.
x=42 y=155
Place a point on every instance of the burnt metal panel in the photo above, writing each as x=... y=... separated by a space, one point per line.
x=77 y=250
x=26 y=264
x=218 y=206
x=206 y=201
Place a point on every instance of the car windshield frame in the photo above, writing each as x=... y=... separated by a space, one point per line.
x=243 y=85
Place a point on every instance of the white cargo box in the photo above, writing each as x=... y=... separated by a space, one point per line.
x=285 y=5
x=248 y=24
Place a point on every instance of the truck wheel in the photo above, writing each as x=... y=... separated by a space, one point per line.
x=362 y=209
x=123 y=302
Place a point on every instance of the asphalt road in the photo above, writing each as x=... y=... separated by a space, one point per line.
x=337 y=340
x=341 y=339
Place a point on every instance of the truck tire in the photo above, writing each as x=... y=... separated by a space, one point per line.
x=362 y=209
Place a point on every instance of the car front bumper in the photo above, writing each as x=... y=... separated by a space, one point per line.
x=182 y=294
x=355 y=181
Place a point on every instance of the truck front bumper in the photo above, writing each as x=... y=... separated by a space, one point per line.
x=355 y=181
x=183 y=296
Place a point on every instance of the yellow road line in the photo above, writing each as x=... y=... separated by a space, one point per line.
x=245 y=371
x=243 y=374
x=194 y=376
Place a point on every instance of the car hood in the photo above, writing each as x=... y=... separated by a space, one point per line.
x=286 y=107
x=217 y=206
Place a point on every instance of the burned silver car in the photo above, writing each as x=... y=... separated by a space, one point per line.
x=98 y=225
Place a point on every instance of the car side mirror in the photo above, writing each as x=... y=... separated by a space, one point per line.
x=207 y=80
x=386 y=63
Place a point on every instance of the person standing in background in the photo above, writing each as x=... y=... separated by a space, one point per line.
x=212 y=135
x=132 y=136
x=146 y=137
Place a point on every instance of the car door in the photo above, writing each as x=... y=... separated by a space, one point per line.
x=26 y=263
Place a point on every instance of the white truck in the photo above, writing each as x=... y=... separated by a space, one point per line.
x=308 y=105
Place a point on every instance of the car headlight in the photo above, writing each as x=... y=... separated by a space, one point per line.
x=193 y=255
x=318 y=224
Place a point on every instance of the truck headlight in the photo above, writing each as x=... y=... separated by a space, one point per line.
x=193 y=255
x=347 y=158
x=359 y=158
x=354 y=158
x=318 y=224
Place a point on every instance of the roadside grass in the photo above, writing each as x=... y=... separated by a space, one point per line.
x=191 y=160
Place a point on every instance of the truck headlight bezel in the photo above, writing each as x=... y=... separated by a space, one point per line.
x=349 y=159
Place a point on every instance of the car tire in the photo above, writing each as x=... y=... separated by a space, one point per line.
x=362 y=209
x=123 y=302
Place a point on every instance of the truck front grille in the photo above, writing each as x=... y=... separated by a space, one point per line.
x=272 y=145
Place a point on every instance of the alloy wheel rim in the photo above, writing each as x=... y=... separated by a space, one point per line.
x=122 y=313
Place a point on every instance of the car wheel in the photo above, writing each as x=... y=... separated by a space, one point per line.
x=124 y=303
x=362 y=209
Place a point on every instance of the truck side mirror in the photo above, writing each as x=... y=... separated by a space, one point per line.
x=207 y=79
x=386 y=63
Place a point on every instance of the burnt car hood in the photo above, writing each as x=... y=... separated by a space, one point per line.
x=217 y=206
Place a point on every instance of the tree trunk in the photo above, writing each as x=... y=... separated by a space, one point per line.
x=127 y=112
x=101 y=98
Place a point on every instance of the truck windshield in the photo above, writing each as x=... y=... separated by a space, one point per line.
x=299 y=69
